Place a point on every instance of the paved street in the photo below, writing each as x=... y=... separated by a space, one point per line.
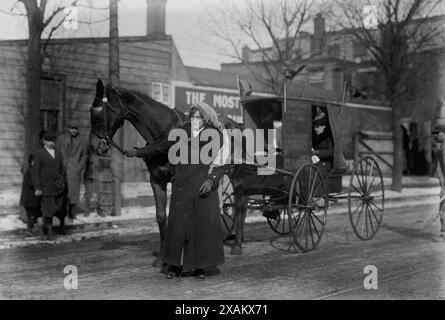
x=409 y=265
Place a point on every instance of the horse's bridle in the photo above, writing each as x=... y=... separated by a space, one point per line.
x=123 y=115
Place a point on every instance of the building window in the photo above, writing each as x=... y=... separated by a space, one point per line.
x=161 y=92
x=316 y=77
x=334 y=51
x=359 y=50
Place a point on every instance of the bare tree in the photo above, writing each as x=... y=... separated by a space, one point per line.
x=44 y=19
x=402 y=31
x=273 y=27
x=38 y=21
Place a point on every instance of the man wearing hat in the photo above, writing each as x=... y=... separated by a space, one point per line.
x=48 y=176
x=323 y=147
x=438 y=134
x=74 y=148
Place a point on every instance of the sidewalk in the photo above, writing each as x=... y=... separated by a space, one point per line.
x=138 y=212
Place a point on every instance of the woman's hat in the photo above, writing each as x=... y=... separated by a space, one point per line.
x=209 y=115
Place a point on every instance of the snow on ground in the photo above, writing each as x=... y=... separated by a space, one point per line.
x=12 y=222
x=9 y=199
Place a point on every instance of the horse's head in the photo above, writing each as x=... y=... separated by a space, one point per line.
x=106 y=116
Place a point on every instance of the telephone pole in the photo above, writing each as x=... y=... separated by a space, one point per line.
x=117 y=157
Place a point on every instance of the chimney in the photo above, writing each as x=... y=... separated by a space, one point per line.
x=246 y=53
x=317 y=42
x=156 y=17
x=319 y=25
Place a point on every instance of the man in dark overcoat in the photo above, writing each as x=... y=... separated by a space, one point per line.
x=322 y=144
x=194 y=236
x=49 y=179
x=74 y=148
x=29 y=200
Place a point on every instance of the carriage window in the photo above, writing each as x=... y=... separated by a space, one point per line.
x=161 y=92
x=322 y=138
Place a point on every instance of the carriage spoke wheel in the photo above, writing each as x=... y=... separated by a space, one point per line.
x=280 y=225
x=227 y=205
x=307 y=208
x=366 y=198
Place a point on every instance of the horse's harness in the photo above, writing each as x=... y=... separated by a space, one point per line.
x=124 y=115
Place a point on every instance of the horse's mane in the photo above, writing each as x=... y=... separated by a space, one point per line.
x=130 y=95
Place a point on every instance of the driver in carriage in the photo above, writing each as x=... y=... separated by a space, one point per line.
x=322 y=144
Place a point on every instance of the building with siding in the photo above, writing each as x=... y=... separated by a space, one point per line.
x=71 y=68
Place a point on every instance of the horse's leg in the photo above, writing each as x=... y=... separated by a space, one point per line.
x=240 y=217
x=160 y=195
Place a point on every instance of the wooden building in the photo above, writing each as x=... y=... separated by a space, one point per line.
x=71 y=68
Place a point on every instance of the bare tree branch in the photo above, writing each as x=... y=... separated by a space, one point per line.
x=274 y=30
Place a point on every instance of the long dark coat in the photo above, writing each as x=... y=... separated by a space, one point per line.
x=27 y=196
x=48 y=173
x=323 y=143
x=75 y=154
x=194 y=225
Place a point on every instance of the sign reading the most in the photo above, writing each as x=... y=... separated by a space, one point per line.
x=223 y=102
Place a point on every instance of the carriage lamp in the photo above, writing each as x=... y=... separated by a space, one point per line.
x=105 y=100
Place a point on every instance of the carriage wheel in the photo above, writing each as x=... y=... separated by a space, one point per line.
x=366 y=198
x=280 y=224
x=308 y=207
x=227 y=205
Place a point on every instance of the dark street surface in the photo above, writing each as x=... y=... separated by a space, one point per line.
x=409 y=264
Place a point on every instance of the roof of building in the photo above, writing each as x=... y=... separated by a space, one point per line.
x=211 y=78
x=73 y=40
x=220 y=79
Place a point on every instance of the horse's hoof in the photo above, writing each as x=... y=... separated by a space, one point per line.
x=236 y=251
x=157 y=263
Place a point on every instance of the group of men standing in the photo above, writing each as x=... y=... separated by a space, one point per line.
x=51 y=183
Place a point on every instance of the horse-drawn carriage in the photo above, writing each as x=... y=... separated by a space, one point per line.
x=295 y=196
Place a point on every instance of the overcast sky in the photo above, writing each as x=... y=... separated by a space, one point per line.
x=186 y=20
x=184 y=23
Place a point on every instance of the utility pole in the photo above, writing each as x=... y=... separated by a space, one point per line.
x=117 y=157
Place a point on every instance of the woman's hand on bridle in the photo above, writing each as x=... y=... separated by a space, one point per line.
x=131 y=153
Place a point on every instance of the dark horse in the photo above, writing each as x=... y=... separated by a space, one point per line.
x=153 y=121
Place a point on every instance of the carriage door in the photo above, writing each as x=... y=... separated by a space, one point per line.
x=52 y=104
x=297 y=134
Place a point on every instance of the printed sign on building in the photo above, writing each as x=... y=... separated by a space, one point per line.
x=224 y=101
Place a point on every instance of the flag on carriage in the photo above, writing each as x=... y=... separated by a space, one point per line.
x=244 y=87
x=355 y=93
x=290 y=74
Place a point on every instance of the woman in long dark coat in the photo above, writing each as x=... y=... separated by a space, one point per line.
x=194 y=237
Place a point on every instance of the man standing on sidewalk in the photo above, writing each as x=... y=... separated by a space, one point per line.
x=48 y=176
x=74 y=148
x=438 y=134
